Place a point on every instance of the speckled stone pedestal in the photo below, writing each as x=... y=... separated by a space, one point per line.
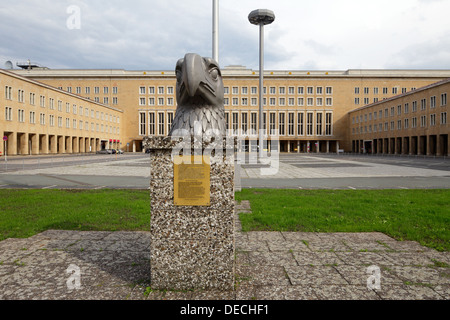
x=192 y=247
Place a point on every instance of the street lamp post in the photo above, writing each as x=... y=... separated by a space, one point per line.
x=261 y=17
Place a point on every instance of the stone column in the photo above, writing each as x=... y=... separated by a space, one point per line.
x=192 y=246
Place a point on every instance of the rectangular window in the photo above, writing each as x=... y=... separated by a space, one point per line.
x=253 y=122
x=310 y=102
x=433 y=102
x=105 y=90
x=414 y=106
x=399 y=110
x=329 y=102
x=319 y=102
x=319 y=90
x=300 y=124
x=141 y=90
x=42 y=118
x=406 y=108
x=161 y=124
x=328 y=124
x=301 y=101
x=291 y=90
x=21 y=115
x=309 y=124
x=423 y=104
x=423 y=121
x=96 y=90
x=443 y=117
x=399 y=124
x=244 y=122
x=78 y=90
x=235 y=90
x=272 y=123
x=244 y=90
x=142 y=124
x=115 y=90
x=151 y=101
x=329 y=90
x=235 y=123
x=406 y=125
x=8 y=95
x=291 y=121
x=443 y=99
x=151 y=90
x=169 y=90
x=414 y=122
x=170 y=116
x=432 y=119
x=8 y=113
x=32 y=117
x=282 y=90
x=281 y=124
x=310 y=90
x=160 y=90
x=301 y=90
x=151 y=124
x=254 y=90
x=319 y=116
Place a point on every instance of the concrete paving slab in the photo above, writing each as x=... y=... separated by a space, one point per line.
x=269 y=265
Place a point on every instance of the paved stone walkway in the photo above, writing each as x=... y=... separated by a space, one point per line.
x=269 y=265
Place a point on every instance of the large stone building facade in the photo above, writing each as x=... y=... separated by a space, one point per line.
x=40 y=119
x=413 y=123
x=303 y=111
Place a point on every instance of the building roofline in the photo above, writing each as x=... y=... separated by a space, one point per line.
x=239 y=71
x=433 y=85
x=41 y=84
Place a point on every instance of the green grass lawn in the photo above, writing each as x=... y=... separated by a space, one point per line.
x=24 y=213
x=419 y=215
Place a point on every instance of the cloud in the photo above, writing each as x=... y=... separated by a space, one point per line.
x=153 y=35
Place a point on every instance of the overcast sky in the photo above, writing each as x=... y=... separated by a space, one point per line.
x=154 y=34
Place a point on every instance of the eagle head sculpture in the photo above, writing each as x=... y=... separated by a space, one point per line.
x=199 y=93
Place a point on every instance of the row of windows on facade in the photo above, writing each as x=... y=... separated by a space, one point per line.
x=253 y=90
x=51 y=121
x=385 y=90
x=87 y=90
x=402 y=124
x=375 y=100
x=253 y=101
x=300 y=123
x=392 y=111
x=51 y=105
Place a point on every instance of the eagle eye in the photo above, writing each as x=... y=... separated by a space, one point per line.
x=214 y=73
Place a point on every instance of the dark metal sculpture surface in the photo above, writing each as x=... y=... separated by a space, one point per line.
x=199 y=98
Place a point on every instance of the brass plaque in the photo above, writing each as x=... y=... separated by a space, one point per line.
x=191 y=179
